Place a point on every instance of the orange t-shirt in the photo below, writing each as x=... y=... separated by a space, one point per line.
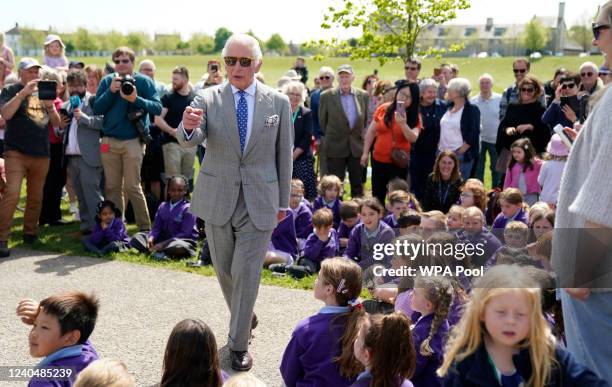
x=384 y=139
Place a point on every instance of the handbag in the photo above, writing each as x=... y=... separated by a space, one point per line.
x=399 y=157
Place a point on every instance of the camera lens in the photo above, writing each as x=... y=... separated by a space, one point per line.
x=127 y=88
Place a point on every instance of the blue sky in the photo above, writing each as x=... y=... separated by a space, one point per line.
x=295 y=20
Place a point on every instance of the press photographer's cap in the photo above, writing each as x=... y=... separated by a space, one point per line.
x=602 y=15
x=53 y=38
x=28 y=63
x=345 y=68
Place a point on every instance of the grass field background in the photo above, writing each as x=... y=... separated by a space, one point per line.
x=65 y=239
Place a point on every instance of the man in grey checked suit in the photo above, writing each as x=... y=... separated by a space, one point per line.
x=243 y=187
x=82 y=150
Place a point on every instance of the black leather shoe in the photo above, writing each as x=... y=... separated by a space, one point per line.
x=29 y=239
x=60 y=222
x=254 y=321
x=241 y=360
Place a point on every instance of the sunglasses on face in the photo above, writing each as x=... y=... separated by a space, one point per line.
x=411 y=68
x=568 y=86
x=124 y=61
x=521 y=71
x=587 y=74
x=597 y=28
x=603 y=73
x=244 y=61
x=527 y=89
x=325 y=77
x=371 y=81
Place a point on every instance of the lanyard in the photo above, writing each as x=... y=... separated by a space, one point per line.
x=443 y=200
x=295 y=114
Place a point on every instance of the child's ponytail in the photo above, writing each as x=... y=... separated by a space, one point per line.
x=350 y=367
x=439 y=291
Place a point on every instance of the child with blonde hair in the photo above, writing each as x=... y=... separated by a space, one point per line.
x=105 y=373
x=454 y=217
x=503 y=339
x=330 y=191
x=320 y=352
x=55 y=56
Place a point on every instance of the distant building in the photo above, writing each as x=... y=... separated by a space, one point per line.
x=14 y=41
x=502 y=39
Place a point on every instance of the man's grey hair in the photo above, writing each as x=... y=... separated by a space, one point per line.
x=147 y=62
x=461 y=86
x=248 y=41
x=589 y=65
x=427 y=83
x=486 y=76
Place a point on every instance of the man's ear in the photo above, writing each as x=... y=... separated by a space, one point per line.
x=72 y=338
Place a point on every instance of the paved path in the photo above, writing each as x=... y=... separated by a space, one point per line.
x=139 y=307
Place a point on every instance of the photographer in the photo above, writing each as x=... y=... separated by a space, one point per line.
x=126 y=99
x=26 y=149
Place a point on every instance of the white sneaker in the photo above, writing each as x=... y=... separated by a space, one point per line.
x=74 y=208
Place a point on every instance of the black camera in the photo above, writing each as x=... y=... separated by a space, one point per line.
x=128 y=84
x=135 y=118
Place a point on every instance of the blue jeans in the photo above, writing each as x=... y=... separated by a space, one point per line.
x=465 y=166
x=480 y=171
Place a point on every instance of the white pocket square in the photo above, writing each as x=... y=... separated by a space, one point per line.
x=272 y=120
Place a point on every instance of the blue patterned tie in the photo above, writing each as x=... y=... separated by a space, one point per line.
x=242 y=114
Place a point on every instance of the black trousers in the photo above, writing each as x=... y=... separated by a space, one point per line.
x=339 y=165
x=55 y=182
x=421 y=165
x=382 y=173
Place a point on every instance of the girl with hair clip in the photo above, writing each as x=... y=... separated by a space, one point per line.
x=330 y=191
x=384 y=347
x=174 y=233
x=432 y=298
x=191 y=358
x=109 y=234
x=503 y=339
x=320 y=352
x=523 y=170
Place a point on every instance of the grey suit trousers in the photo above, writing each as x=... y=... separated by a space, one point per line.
x=86 y=185
x=238 y=249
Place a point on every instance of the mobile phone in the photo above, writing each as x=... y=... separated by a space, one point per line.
x=437 y=71
x=563 y=133
x=400 y=108
x=572 y=101
x=47 y=90
x=214 y=68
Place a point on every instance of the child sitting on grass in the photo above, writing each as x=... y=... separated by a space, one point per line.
x=61 y=326
x=174 y=233
x=109 y=234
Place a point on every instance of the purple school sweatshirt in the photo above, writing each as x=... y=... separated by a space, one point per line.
x=426 y=366
x=283 y=236
x=361 y=248
x=315 y=341
x=392 y=222
x=76 y=357
x=499 y=224
x=333 y=206
x=317 y=251
x=489 y=244
x=175 y=222
x=115 y=232
x=302 y=216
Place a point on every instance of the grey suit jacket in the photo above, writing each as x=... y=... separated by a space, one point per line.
x=340 y=139
x=88 y=133
x=264 y=170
